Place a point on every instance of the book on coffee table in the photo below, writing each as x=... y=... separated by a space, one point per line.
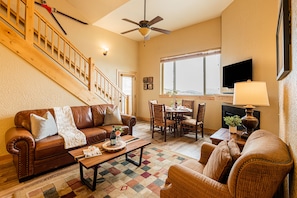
x=91 y=151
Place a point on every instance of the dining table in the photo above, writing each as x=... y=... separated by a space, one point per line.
x=176 y=113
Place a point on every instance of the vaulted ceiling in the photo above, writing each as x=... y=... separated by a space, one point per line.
x=177 y=14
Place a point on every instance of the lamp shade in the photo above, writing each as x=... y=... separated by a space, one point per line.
x=250 y=93
x=144 y=31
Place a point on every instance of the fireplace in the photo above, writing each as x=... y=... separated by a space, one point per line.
x=228 y=110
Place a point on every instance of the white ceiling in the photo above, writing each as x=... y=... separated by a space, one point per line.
x=177 y=14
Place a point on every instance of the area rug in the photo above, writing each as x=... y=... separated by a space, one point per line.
x=116 y=178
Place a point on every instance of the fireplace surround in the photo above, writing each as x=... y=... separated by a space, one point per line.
x=228 y=110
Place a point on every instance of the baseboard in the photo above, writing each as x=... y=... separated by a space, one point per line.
x=5 y=157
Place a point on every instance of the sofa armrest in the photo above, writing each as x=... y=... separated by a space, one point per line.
x=206 y=150
x=130 y=121
x=184 y=182
x=21 y=144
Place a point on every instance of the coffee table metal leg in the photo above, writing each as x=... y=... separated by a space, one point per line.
x=84 y=181
x=132 y=161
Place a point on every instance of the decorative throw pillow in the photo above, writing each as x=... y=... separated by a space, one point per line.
x=42 y=127
x=234 y=150
x=112 y=116
x=219 y=163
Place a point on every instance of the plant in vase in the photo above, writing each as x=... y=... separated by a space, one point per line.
x=118 y=131
x=233 y=122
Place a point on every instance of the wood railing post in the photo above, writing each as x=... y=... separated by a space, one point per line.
x=91 y=76
x=29 y=22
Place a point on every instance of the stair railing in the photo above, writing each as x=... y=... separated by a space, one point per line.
x=34 y=28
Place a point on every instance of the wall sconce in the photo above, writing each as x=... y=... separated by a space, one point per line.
x=105 y=51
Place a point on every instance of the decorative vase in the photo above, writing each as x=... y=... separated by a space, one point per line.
x=233 y=129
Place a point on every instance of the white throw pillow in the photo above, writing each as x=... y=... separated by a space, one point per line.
x=112 y=116
x=42 y=127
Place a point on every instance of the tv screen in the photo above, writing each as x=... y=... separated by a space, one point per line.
x=237 y=72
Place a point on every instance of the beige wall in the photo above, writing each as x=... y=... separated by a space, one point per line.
x=288 y=104
x=203 y=36
x=248 y=31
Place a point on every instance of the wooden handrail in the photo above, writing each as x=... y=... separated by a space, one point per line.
x=21 y=15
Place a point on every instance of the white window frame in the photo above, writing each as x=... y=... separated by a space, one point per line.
x=173 y=59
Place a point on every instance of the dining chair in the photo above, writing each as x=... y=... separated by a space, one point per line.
x=160 y=120
x=188 y=104
x=150 y=103
x=195 y=125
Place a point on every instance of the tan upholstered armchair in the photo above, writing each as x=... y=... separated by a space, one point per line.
x=263 y=164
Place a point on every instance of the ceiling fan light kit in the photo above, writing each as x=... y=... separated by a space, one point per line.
x=144 y=31
x=145 y=26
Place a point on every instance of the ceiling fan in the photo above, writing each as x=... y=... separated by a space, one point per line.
x=145 y=26
x=52 y=10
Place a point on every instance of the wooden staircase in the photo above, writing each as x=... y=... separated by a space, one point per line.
x=24 y=31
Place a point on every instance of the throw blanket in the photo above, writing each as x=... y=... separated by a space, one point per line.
x=67 y=129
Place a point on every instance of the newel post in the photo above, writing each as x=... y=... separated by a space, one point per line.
x=29 y=21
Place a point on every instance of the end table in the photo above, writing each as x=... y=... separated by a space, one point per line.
x=224 y=134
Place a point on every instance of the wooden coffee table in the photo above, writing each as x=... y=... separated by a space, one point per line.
x=224 y=134
x=133 y=143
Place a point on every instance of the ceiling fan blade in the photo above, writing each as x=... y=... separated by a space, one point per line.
x=129 y=31
x=155 y=20
x=128 y=20
x=160 y=30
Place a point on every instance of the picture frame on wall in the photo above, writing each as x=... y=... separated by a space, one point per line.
x=150 y=80
x=150 y=87
x=283 y=40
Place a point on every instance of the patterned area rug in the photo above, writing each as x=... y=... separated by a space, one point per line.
x=116 y=178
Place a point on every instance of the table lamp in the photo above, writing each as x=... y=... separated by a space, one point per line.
x=250 y=94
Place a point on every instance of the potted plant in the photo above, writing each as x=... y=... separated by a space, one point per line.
x=233 y=122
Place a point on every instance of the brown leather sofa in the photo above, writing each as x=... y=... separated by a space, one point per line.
x=32 y=157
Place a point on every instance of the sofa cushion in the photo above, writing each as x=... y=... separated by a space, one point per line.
x=42 y=127
x=82 y=116
x=234 y=150
x=219 y=163
x=194 y=165
x=112 y=116
x=22 y=118
x=49 y=147
x=94 y=135
x=98 y=112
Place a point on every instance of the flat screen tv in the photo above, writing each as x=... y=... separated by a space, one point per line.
x=237 y=72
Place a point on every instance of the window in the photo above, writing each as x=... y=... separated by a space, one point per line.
x=192 y=74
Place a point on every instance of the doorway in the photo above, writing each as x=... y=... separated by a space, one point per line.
x=127 y=83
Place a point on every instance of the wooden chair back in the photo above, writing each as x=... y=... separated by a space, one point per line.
x=200 y=112
x=189 y=104
x=150 y=103
x=159 y=114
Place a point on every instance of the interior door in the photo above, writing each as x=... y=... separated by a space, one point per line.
x=126 y=82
